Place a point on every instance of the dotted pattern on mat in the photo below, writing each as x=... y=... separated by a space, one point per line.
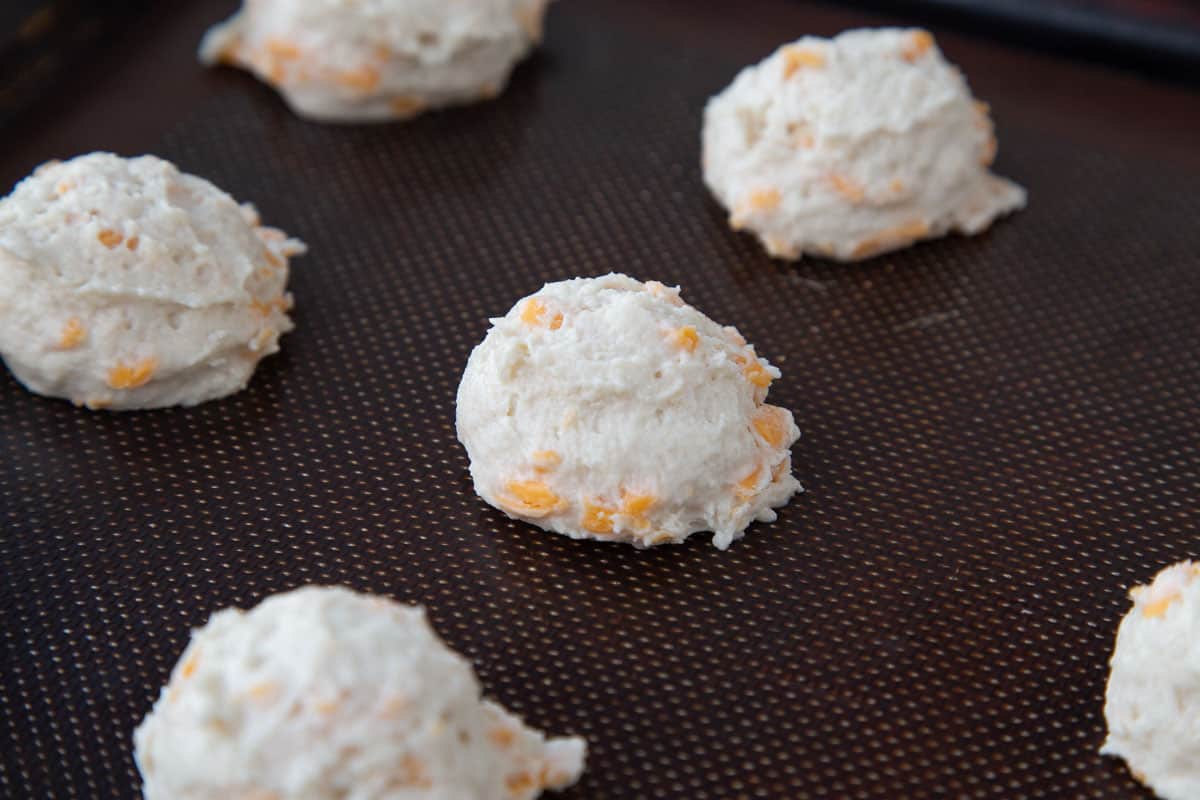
x=1000 y=436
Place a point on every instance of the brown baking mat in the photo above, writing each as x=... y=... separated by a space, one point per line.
x=1000 y=434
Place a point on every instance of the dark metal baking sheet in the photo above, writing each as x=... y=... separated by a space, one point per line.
x=1000 y=433
x=1159 y=38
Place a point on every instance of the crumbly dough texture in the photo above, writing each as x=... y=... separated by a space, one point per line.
x=850 y=147
x=1153 y=700
x=322 y=693
x=369 y=60
x=607 y=408
x=127 y=284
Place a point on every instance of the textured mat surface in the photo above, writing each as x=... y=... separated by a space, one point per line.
x=1000 y=434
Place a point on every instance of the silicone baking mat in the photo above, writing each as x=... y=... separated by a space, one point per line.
x=1000 y=433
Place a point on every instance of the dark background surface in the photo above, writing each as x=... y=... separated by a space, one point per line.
x=1159 y=38
x=1000 y=433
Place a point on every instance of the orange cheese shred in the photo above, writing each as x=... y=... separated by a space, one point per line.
x=545 y=460
x=685 y=338
x=796 y=57
x=890 y=238
x=363 y=79
x=597 y=518
x=530 y=499
x=918 y=45
x=403 y=106
x=131 y=376
x=109 y=238
x=72 y=335
x=847 y=188
x=771 y=424
x=189 y=667
x=635 y=506
x=1159 y=607
x=747 y=487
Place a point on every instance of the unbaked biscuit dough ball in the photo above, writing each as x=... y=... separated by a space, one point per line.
x=369 y=60
x=325 y=694
x=1153 y=699
x=127 y=284
x=606 y=408
x=853 y=146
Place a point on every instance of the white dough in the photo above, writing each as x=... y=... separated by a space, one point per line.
x=853 y=146
x=325 y=694
x=1153 y=700
x=367 y=60
x=606 y=408
x=126 y=284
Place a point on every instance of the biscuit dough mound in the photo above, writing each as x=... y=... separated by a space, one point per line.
x=850 y=147
x=322 y=693
x=371 y=60
x=127 y=284
x=1153 y=699
x=606 y=408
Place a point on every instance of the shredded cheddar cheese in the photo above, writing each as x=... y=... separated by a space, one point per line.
x=685 y=338
x=757 y=201
x=754 y=371
x=597 y=518
x=545 y=460
x=403 y=105
x=530 y=498
x=747 y=487
x=1159 y=607
x=503 y=737
x=281 y=48
x=763 y=199
x=660 y=291
x=109 y=238
x=363 y=79
x=769 y=422
x=73 y=334
x=918 y=45
x=533 y=311
x=796 y=57
x=847 y=188
x=131 y=376
x=890 y=238
x=636 y=505
x=521 y=783
x=264 y=307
